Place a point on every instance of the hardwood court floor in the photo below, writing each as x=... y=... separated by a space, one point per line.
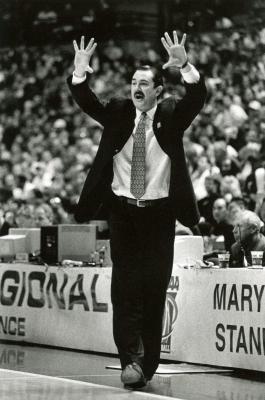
x=32 y=372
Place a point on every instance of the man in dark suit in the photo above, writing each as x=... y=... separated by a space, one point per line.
x=140 y=174
x=247 y=232
x=222 y=225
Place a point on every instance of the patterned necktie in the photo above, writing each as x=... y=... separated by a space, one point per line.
x=138 y=160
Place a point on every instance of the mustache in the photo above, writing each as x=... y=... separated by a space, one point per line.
x=138 y=92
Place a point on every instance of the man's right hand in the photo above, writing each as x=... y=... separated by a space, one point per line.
x=83 y=56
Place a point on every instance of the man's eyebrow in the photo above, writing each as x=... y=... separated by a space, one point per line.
x=141 y=80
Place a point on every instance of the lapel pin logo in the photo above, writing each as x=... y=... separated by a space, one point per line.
x=158 y=125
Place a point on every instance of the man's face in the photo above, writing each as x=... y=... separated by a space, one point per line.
x=226 y=165
x=219 y=210
x=242 y=231
x=234 y=210
x=41 y=218
x=210 y=185
x=203 y=163
x=144 y=93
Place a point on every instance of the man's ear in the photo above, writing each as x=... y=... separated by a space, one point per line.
x=253 y=228
x=159 y=90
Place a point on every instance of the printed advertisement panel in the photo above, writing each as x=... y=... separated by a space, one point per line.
x=220 y=318
x=67 y=307
x=212 y=317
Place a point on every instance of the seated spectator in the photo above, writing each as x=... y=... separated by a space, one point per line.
x=248 y=238
x=254 y=185
x=230 y=187
x=212 y=185
x=198 y=176
x=8 y=221
x=252 y=146
x=43 y=215
x=233 y=113
x=25 y=216
x=60 y=216
x=221 y=226
x=235 y=206
x=228 y=167
x=261 y=213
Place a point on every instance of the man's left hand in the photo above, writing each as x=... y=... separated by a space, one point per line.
x=176 y=51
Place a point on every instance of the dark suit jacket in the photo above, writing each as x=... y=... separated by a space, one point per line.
x=117 y=117
x=238 y=252
x=224 y=229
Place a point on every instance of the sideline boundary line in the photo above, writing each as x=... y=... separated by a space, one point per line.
x=56 y=378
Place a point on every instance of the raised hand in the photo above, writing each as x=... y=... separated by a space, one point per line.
x=83 y=56
x=176 y=51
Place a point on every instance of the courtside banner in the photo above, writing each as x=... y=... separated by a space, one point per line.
x=67 y=307
x=216 y=316
x=212 y=316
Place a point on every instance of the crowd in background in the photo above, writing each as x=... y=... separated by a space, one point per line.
x=47 y=145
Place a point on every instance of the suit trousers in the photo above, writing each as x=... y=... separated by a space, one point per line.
x=142 y=247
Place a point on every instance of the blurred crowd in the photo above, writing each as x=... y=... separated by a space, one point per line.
x=47 y=145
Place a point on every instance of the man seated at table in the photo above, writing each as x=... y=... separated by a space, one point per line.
x=221 y=226
x=235 y=206
x=248 y=238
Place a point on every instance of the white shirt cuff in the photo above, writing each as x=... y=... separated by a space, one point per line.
x=192 y=76
x=76 y=79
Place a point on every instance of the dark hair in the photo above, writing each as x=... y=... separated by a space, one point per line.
x=238 y=200
x=157 y=74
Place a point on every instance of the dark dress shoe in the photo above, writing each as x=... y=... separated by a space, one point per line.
x=132 y=376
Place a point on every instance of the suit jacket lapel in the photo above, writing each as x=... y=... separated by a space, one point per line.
x=125 y=125
x=159 y=130
x=157 y=125
x=157 y=120
x=129 y=122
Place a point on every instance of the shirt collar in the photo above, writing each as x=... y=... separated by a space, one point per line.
x=150 y=113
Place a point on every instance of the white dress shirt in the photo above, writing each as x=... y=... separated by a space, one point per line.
x=158 y=164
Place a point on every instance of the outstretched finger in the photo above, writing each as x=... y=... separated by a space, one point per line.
x=90 y=44
x=166 y=65
x=75 y=46
x=183 y=40
x=93 y=48
x=164 y=42
x=82 y=43
x=89 y=69
x=169 y=41
x=175 y=36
